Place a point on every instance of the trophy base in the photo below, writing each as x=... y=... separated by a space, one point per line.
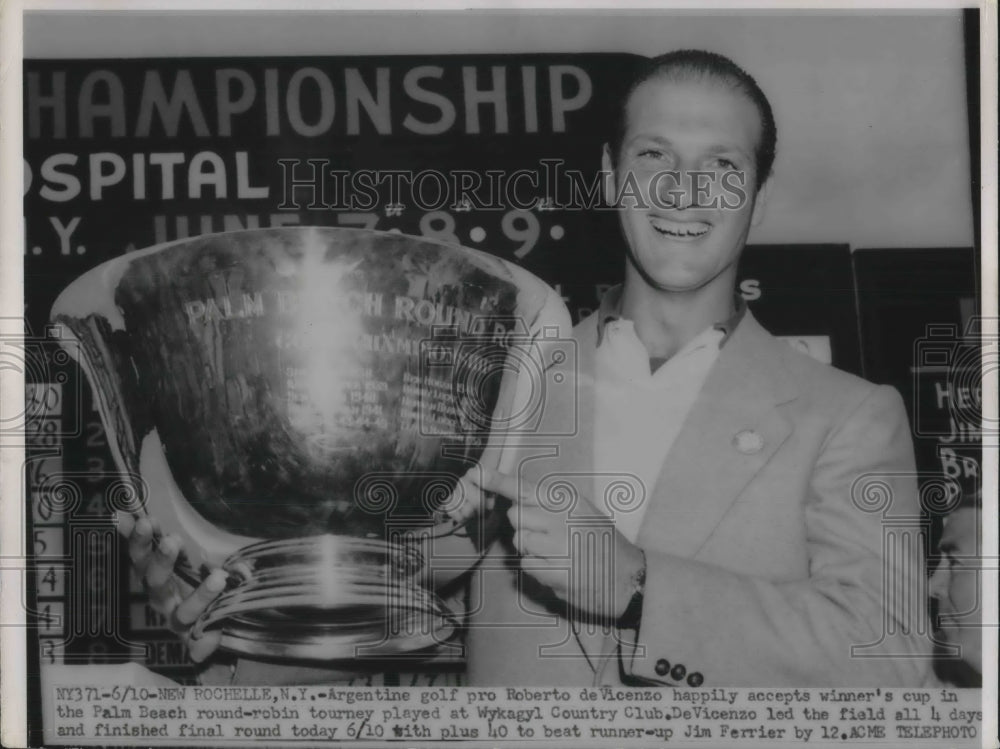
x=327 y=598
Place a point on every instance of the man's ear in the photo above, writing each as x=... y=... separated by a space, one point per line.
x=760 y=203
x=609 y=185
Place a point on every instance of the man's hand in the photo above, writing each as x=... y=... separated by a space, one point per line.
x=587 y=563
x=171 y=597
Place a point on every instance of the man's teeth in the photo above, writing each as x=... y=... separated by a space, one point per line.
x=678 y=229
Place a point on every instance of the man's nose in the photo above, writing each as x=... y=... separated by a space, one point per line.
x=939 y=581
x=680 y=190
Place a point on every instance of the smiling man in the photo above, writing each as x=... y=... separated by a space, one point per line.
x=707 y=523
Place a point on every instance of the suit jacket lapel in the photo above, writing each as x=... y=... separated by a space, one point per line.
x=729 y=435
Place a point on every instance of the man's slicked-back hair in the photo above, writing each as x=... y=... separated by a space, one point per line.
x=693 y=64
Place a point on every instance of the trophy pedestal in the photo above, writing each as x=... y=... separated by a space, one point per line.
x=327 y=598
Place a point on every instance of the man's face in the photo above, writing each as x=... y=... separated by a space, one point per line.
x=684 y=239
x=955 y=585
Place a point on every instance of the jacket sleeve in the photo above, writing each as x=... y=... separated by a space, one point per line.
x=859 y=618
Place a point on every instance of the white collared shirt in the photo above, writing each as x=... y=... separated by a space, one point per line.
x=638 y=415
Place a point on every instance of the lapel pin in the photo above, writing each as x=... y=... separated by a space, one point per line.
x=748 y=442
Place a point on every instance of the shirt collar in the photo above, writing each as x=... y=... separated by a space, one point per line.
x=611 y=306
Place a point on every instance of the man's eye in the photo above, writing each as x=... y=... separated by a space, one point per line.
x=947 y=562
x=725 y=164
x=651 y=153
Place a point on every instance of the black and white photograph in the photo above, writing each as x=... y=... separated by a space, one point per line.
x=503 y=376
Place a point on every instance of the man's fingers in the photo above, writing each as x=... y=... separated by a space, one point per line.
x=191 y=608
x=505 y=484
x=529 y=543
x=164 y=598
x=161 y=562
x=140 y=544
x=465 y=499
x=489 y=480
x=204 y=646
x=520 y=542
x=473 y=493
x=125 y=523
x=535 y=519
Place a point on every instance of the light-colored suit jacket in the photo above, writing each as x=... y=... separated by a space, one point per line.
x=783 y=539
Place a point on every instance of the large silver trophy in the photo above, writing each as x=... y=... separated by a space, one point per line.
x=297 y=404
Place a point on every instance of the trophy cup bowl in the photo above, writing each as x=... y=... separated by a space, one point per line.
x=297 y=405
